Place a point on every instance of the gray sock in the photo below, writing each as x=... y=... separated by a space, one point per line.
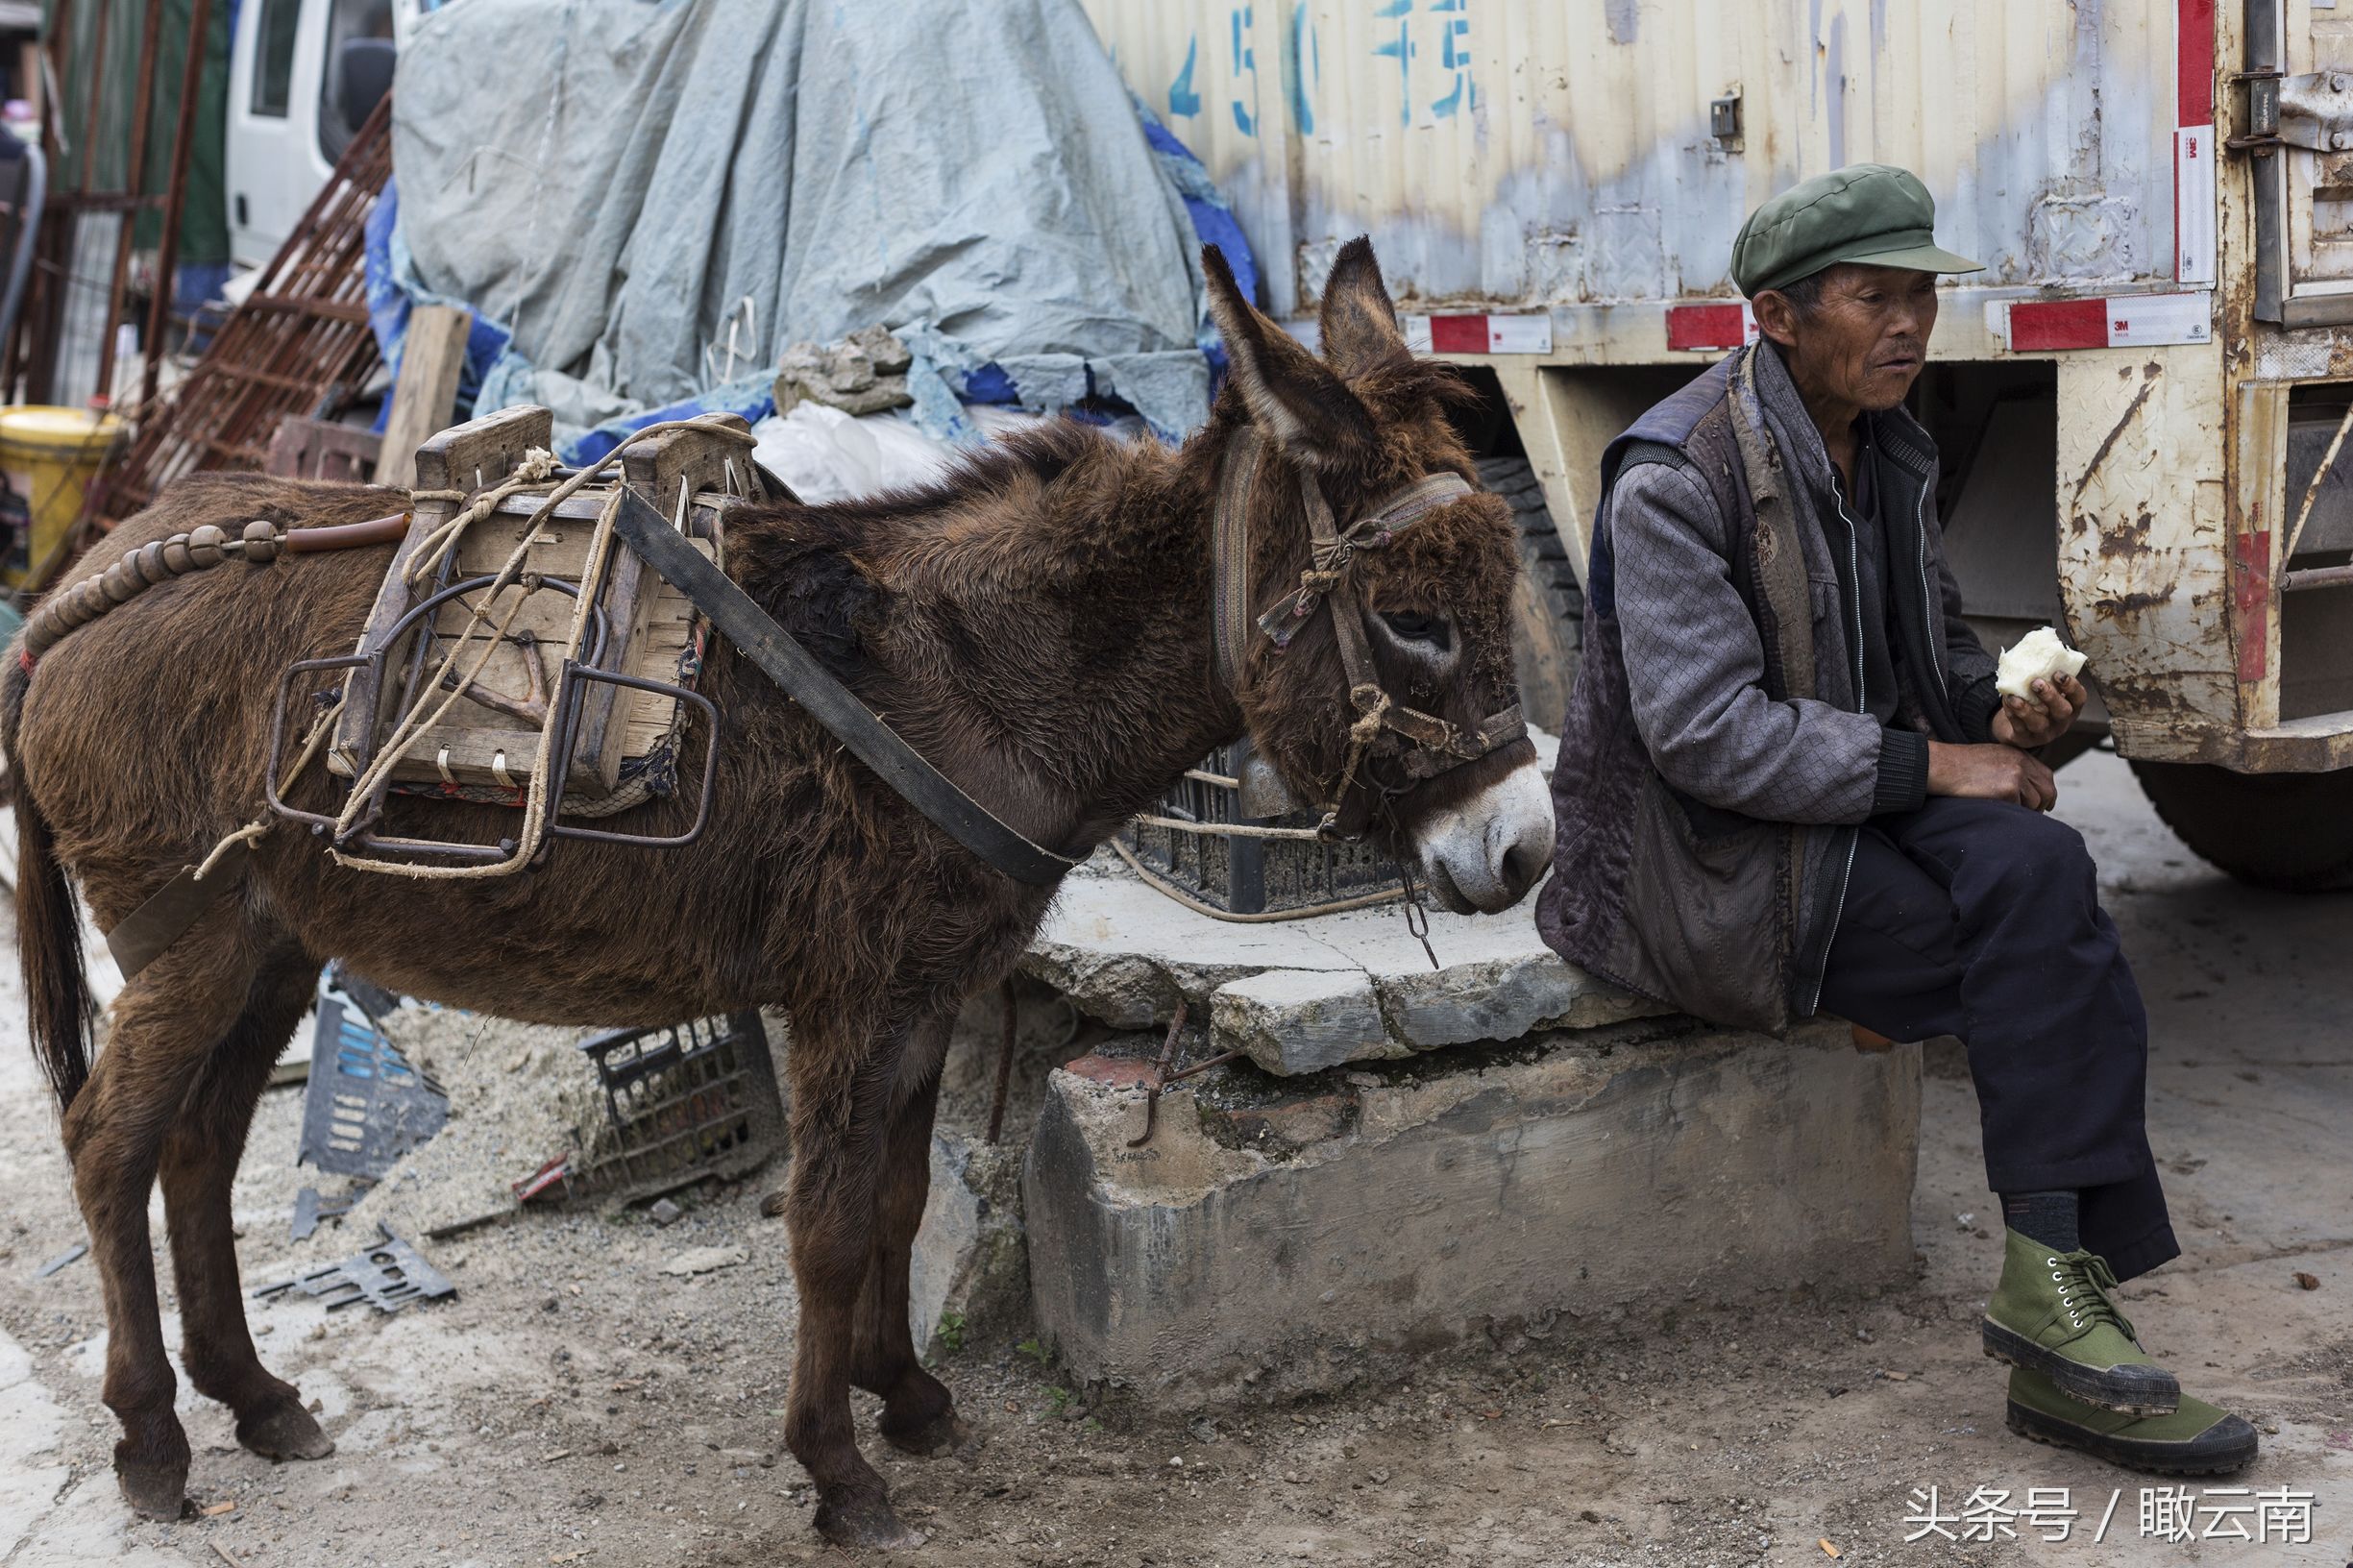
x=2048 y=1217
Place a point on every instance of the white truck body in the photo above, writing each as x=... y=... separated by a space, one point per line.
x=1553 y=187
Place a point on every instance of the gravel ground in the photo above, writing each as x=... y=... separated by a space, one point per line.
x=573 y=1404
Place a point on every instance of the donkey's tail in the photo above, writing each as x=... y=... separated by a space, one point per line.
x=48 y=926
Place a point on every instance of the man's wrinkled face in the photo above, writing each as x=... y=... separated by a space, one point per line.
x=1865 y=338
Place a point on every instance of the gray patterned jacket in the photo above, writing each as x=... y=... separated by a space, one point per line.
x=1714 y=764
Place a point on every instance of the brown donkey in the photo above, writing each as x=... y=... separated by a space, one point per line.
x=1038 y=625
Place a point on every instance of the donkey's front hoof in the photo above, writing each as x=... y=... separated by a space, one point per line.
x=156 y=1491
x=862 y=1519
x=285 y=1432
x=942 y=1433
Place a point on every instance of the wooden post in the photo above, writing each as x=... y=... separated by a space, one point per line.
x=431 y=356
x=142 y=103
x=175 y=200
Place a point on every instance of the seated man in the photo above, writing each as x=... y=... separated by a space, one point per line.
x=1787 y=785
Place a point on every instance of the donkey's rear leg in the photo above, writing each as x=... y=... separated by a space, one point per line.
x=166 y=1023
x=919 y=1413
x=200 y=1164
x=845 y=1087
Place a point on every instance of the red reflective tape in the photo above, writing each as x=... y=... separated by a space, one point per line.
x=2194 y=48
x=1457 y=334
x=2058 y=323
x=1705 y=327
x=2252 y=588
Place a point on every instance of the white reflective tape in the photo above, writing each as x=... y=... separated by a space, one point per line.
x=2194 y=205
x=2143 y=319
x=1519 y=334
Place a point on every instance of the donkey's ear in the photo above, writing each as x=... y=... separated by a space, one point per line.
x=1293 y=397
x=1359 y=323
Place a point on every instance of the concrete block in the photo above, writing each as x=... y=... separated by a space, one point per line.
x=1125 y=954
x=1301 y=1020
x=969 y=1276
x=1296 y=1236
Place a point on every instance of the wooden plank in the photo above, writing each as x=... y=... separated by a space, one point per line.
x=657 y=465
x=431 y=357
x=489 y=447
x=326 y=310
x=355 y=731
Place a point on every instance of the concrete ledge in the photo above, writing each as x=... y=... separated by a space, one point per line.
x=1296 y=1235
x=1302 y=995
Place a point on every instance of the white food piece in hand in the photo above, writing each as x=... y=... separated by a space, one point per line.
x=2038 y=656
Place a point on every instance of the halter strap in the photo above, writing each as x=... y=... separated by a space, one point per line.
x=1431 y=745
x=1230 y=555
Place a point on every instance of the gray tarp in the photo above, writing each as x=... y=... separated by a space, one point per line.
x=613 y=180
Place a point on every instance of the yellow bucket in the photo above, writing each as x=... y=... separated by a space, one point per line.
x=48 y=458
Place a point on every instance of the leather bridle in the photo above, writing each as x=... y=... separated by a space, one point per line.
x=1424 y=745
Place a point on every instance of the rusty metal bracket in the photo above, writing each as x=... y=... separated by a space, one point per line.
x=2316 y=110
x=2318 y=577
x=1160 y=1076
x=1163 y=1078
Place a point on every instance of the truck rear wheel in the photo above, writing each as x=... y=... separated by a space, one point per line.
x=2292 y=832
x=1550 y=614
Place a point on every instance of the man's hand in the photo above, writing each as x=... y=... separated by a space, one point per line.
x=2025 y=723
x=1991 y=772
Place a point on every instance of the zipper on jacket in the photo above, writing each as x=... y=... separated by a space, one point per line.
x=1846 y=872
x=1854 y=590
x=1927 y=614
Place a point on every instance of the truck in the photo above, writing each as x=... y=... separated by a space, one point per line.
x=2142 y=403
x=304 y=77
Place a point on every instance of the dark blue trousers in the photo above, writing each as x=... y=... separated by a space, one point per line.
x=1981 y=919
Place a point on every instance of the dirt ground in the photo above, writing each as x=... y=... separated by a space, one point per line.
x=572 y=1404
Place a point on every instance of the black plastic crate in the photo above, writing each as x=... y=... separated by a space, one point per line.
x=682 y=1102
x=1248 y=876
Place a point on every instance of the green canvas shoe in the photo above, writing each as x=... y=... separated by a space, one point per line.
x=2195 y=1439
x=2053 y=1314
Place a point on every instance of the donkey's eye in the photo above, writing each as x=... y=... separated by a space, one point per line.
x=1409 y=626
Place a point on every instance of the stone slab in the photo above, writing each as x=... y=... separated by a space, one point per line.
x=969 y=1276
x=1125 y=954
x=1300 y=1020
x=1301 y=1235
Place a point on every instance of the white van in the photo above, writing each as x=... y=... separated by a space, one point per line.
x=303 y=76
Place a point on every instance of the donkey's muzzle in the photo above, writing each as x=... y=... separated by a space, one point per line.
x=1485 y=853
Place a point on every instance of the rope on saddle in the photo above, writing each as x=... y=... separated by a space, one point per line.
x=538 y=809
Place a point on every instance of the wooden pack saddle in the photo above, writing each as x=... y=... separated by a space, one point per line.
x=483 y=745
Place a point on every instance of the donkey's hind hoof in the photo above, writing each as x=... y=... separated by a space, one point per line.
x=285 y=1432
x=943 y=1434
x=863 y=1521
x=154 y=1491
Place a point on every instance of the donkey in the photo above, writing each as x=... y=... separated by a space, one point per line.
x=1038 y=624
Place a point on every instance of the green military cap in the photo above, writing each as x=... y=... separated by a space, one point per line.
x=1873 y=214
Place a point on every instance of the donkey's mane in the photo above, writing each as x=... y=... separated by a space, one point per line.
x=1056 y=504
